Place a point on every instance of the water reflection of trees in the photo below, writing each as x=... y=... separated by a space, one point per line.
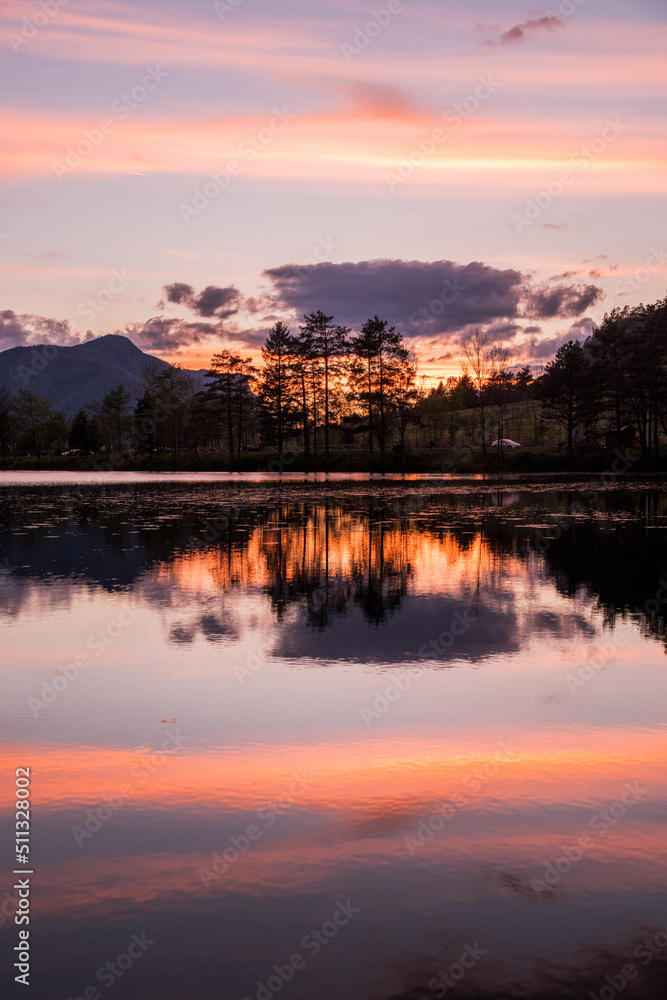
x=330 y=561
x=622 y=563
x=323 y=557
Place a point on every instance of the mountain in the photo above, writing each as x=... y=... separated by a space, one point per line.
x=74 y=376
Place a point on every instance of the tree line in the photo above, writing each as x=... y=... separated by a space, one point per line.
x=318 y=388
x=617 y=378
x=323 y=388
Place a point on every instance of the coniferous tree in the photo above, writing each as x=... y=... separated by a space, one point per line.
x=230 y=377
x=277 y=385
x=83 y=433
x=31 y=414
x=567 y=391
x=328 y=348
x=379 y=358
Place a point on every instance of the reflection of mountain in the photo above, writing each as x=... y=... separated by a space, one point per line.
x=356 y=574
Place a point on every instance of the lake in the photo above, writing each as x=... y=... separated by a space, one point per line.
x=336 y=737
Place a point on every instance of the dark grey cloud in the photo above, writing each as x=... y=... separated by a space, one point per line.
x=561 y=301
x=425 y=299
x=544 y=350
x=168 y=334
x=178 y=292
x=504 y=331
x=214 y=300
x=162 y=333
x=422 y=298
x=582 y=327
x=26 y=329
x=437 y=301
x=566 y=275
x=518 y=32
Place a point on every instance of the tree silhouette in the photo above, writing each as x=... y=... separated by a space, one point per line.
x=276 y=385
x=568 y=391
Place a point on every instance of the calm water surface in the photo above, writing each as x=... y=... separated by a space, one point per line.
x=340 y=739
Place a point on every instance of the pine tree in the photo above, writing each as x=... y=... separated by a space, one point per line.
x=328 y=349
x=229 y=392
x=379 y=360
x=277 y=386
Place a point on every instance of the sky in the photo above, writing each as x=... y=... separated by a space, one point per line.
x=188 y=173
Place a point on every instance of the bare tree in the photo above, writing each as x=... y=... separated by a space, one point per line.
x=478 y=366
x=499 y=387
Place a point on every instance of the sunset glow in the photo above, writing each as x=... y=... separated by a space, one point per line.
x=315 y=136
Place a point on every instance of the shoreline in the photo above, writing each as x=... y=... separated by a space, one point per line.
x=440 y=463
x=444 y=465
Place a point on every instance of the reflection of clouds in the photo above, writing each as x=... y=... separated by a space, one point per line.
x=338 y=586
x=330 y=585
x=346 y=835
x=348 y=573
x=581 y=974
x=210 y=627
x=25 y=597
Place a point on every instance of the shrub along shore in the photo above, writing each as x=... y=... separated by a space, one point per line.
x=465 y=461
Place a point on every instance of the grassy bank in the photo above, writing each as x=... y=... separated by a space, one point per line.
x=438 y=460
